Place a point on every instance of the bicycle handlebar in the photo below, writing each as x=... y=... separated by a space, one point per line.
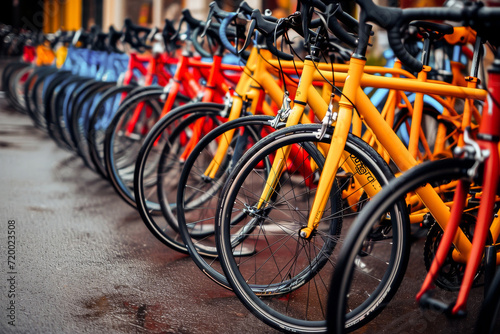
x=197 y=46
x=222 y=33
x=224 y=29
x=345 y=18
x=336 y=28
x=131 y=35
x=270 y=30
x=113 y=37
x=170 y=37
x=137 y=28
x=392 y=19
x=190 y=20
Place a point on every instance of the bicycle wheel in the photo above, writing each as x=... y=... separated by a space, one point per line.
x=81 y=117
x=374 y=256
x=37 y=94
x=32 y=93
x=489 y=315
x=283 y=279
x=57 y=110
x=100 y=117
x=51 y=89
x=125 y=136
x=159 y=164
x=12 y=84
x=429 y=125
x=15 y=88
x=7 y=72
x=74 y=98
x=198 y=194
x=68 y=98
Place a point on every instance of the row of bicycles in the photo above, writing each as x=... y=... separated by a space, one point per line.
x=12 y=41
x=292 y=172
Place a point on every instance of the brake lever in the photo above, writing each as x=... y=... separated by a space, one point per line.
x=248 y=38
x=209 y=21
x=177 y=31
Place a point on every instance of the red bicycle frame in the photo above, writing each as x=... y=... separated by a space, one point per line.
x=487 y=140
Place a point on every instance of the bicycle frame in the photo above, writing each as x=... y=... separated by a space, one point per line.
x=186 y=79
x=486 y=149
x=389 y=140
x=257 y=70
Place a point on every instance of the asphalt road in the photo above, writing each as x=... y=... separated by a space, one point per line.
x=85 y=263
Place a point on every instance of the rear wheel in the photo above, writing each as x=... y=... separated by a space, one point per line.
x=429 y=125
x=489 y=316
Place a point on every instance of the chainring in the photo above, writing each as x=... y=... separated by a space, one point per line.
x=451 y=272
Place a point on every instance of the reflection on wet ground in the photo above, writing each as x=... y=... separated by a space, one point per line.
x=86 y=262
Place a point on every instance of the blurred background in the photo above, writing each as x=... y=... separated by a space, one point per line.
x=51 y=15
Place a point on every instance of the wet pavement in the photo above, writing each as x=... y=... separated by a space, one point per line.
x=85 y=263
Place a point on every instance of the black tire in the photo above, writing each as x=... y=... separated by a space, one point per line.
x=108 y=103
x=36 y=97
x=59 y=78
x=81 y=116
x=67 y=97
x=163 y=144
x=7 y=72
x=380 y=211
x=283 y=279
x=198 y=195
x=122 y=144
x=76 y=96
x=31 y=92
x=57 y=105
x=488 y=321
x=14 y=79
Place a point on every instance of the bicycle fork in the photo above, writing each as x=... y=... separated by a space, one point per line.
x=485 y=149
x=337 y=145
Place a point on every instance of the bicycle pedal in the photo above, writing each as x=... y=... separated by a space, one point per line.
x=133 y=136
x=244 y=251
x=428 y=302
x=201 y=231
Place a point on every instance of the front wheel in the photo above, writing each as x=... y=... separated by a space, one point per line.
x=159 y=164
x=284 y=279
x=374 y=256
x=201 y=181
x=125 y=136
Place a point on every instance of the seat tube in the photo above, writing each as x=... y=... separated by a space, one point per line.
x=416 y=119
